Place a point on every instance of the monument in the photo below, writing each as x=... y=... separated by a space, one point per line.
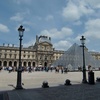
x=72 y=59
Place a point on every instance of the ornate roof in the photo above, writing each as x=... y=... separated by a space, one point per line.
x=44 y=40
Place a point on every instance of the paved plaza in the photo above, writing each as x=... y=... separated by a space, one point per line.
x=36 y=78
x=32 y=84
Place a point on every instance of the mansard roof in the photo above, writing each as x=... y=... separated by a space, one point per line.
x=45 y=43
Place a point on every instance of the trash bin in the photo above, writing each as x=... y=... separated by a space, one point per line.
x=91 y=77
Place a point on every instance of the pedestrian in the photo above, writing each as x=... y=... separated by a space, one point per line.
x=62 y=70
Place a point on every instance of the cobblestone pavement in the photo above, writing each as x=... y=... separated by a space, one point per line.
x=73 y=92
x=57 y=90
x=4 y=95
x=1 y=96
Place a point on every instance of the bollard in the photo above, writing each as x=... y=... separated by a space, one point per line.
x=45 y=84
x=98 y=79
x=67 y=82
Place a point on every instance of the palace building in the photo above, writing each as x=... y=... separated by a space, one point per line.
x=41 y=53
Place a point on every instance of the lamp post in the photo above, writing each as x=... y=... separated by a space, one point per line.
x=19 y=70
x=84 y=68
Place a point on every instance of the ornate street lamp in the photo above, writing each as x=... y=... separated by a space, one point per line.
x=19 y=70
x=84 y=68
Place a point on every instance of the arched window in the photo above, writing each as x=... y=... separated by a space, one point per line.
x=15 y=64
x=5 y=63
x=29 y=63
x=10 y=63
x=45 y=64
x=25 y=64
x=33 y=64
x=0 y=63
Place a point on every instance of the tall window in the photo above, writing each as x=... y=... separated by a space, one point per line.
x=15 y=56
x=5 y=56
x=28 y=56
x=24 y=56
x=10 y=55
x=32 y=56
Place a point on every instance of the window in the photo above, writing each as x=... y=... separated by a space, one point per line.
x=24 y=55
x=32 y=56
x=45 y=47
x=28 y=56
x=5 y=55
x=56 y=57
x=15 y=56
x=10 y=55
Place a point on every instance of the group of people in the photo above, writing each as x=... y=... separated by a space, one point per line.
x=32 y=69
x=61 y=69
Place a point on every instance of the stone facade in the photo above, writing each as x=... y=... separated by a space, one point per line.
x=41 y=53
x=95 y=55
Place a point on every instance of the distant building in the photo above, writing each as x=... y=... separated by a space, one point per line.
x=95 y=54
x=41 y=53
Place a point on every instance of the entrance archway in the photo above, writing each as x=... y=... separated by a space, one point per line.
x=10 y=63
x=29 y=63
x=5 y=63
x=33 y=64
x=45 y=64
x=25 y=64
x=0 y=63
x=15 y=64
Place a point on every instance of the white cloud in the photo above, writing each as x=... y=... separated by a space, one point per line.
x=74 y=11
x=94 y=3
x=62 y=45
x=49 y=17
x=54 y=33
x=27 y=29
x=84 y=8
x=17 y=17
x=27 y=23
x=3 y=28
x=70 y=12
x=78 y=38
x=30 y=43
x=93 y=28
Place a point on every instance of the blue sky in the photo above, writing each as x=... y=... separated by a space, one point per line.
x=65 y=21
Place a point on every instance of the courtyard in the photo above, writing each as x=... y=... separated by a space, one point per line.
x=36 y=78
